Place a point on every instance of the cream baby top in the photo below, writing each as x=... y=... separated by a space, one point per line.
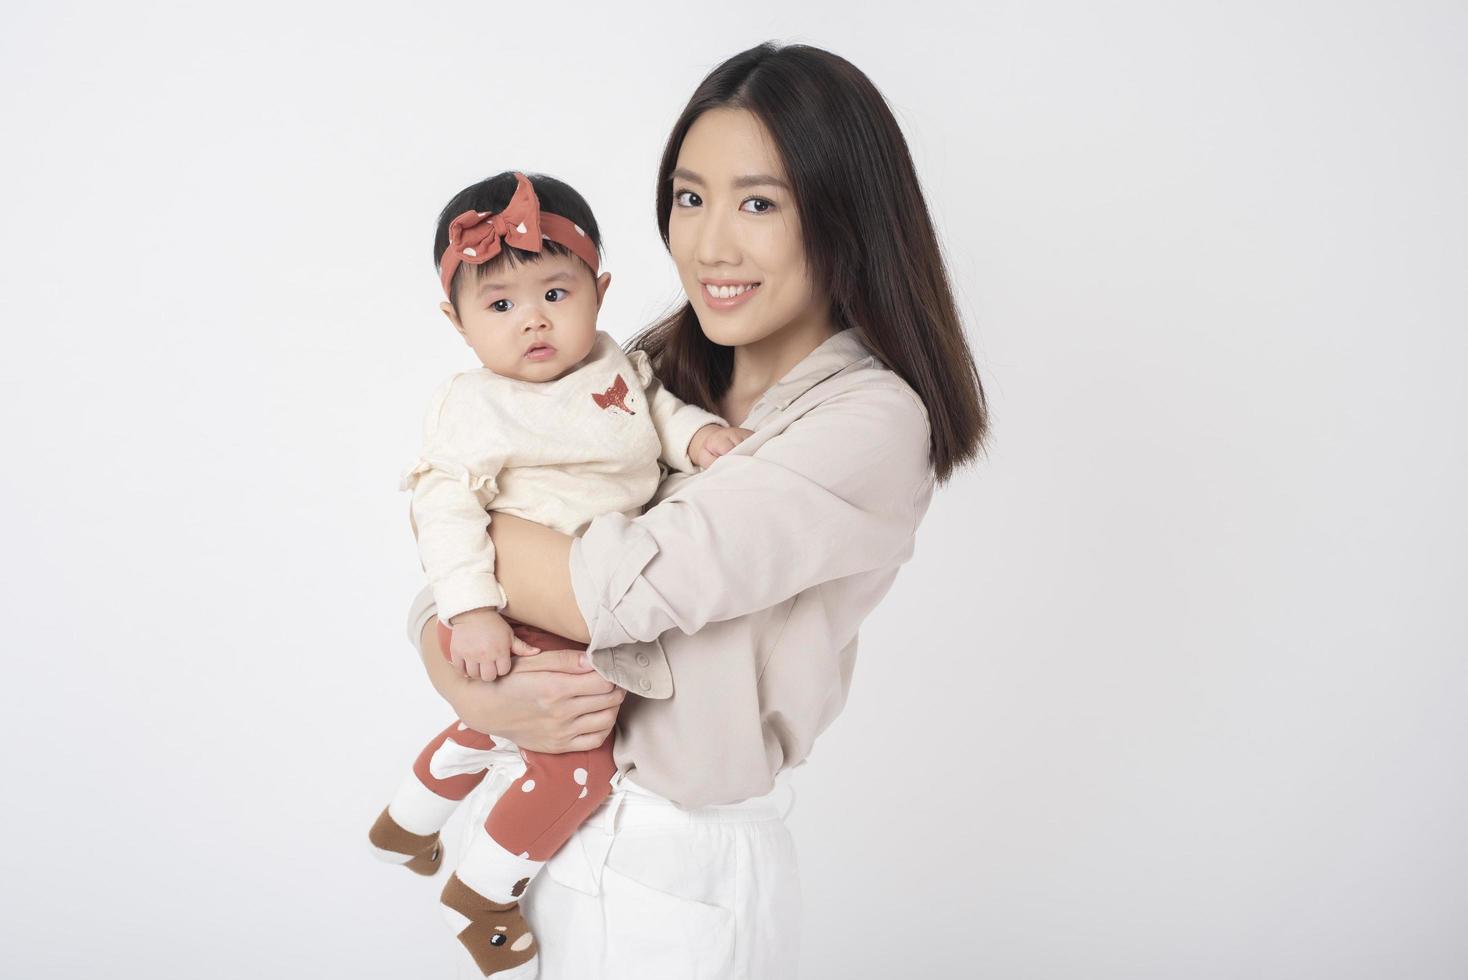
x=556 y=452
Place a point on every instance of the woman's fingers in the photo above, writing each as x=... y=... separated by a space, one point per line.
x=595 y=721
x=565 y=661
x=587 y=742
x=588 y=703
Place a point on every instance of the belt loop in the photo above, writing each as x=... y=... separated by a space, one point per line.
x=791 y=790
x=787 y=776
x=614 y=802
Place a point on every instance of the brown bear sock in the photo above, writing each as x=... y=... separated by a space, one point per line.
x=494 y=933
x=419 y=853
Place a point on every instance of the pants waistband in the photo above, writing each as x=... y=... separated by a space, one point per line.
x=631 y=804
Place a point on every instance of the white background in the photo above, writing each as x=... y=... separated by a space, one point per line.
x=1174 y=685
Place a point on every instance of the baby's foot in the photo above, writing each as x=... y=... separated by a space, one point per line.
x=418 y=853
x=494 y=933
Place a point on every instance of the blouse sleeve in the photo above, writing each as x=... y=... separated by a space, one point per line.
x=453 y=483
x=834 y=494
x=674 y=419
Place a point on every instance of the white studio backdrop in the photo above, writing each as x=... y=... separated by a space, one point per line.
x=1173 y=686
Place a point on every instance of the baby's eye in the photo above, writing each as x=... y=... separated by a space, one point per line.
x=501 y=306
x=693 y=200
x=766 y=205
x=550 y=294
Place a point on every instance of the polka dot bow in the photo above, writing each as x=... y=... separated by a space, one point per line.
x=475 y=237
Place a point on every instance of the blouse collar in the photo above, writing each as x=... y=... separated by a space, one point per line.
x=834 y=355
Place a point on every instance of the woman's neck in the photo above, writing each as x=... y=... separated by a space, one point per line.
x=759 y=365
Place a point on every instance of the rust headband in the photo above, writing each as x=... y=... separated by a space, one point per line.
x=475 y=236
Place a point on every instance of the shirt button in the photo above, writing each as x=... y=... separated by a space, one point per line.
x=642 y=660
x=645 y=684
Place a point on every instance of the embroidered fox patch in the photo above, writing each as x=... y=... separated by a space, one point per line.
x=613 y=397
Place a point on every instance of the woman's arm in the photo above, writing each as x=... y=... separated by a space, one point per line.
x=547 y=703
x=836 y=493
x=534 y=570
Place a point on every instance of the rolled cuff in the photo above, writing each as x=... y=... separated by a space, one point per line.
x=605 y=562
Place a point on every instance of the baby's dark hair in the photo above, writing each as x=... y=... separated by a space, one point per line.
x=493 y=194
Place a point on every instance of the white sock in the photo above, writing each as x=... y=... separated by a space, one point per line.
x=494 y=872
x=419 y=810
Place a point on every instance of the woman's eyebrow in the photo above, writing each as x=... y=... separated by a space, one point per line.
x=760 y=180
x=748 y=180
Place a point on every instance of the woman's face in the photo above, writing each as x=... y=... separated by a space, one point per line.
x=735 y=235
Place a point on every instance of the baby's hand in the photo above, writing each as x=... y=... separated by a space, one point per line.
x=482 y=643
x=713 y=441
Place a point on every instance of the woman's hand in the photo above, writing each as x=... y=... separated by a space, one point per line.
x=546 y=703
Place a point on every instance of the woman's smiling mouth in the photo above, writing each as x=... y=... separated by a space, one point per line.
x=726 y=295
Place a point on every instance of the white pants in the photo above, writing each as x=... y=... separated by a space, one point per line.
x=645 y=890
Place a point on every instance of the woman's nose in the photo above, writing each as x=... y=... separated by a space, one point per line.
x=717 y=244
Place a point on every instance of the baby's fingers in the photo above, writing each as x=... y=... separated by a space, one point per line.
x=522 y=649
x=733 y=437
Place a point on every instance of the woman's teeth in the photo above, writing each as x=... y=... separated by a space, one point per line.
x=728 y=292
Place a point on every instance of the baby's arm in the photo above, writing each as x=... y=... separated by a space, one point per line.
x=454 y=545
x=453 y=483
x=713 y=441
x=691 y=437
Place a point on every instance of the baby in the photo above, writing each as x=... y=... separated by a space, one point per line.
x=557 y=427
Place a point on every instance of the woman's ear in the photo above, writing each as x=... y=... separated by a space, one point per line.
x=602 y=282
x=448 y=311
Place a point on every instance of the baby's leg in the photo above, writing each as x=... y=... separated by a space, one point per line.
x=536 y=815
x=542 y=809
x=447 y=770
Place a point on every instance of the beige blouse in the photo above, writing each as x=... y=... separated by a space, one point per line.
x=732 y=606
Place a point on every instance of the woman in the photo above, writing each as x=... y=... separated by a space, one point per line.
x=819 y=317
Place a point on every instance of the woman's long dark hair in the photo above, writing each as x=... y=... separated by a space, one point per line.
x=867 y=234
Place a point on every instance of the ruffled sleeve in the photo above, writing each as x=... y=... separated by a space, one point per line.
x=453 y=483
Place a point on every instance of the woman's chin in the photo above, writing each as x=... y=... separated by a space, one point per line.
x=732 y=331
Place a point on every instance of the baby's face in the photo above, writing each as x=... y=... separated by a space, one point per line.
x=534 y=321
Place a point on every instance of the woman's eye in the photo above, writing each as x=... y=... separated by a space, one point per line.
x=501 y=306
x=687 y=199
x=550 y=294
x=764 y=205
